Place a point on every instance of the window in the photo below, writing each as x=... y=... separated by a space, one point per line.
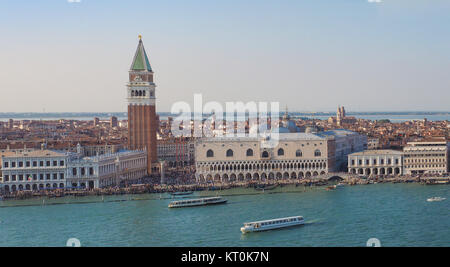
x=229 y=153
x=280 y=152
x=41 y=163
x=249 y=152
x=13 y=164
x=317 y=153
x=55 y=163
x=27 y=164
x=6 y=178
x=55 y=176
x=61 y=163
x=34 y=163
x=210 y=154
x=298 y=153
x=48 y=163
x=20 y=164
x=74 y=171
x=6 y=164
x=265 y=154
x=61 y=176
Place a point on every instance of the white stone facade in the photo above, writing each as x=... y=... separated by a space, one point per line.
x=426 y=157
x=376 y=163
x=33 y=170
x=106 y=170
x=296 y=155
x=46 y=169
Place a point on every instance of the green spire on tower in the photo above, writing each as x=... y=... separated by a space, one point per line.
x=140 y=61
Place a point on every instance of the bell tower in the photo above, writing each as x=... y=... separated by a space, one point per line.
x=141 y=106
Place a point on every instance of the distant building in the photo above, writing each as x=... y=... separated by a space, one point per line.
x=376 y=162
x=113 y=122
x=96 y=121
x=341 y=118
x=426 y=157
x=176 y=152
x=373 y=143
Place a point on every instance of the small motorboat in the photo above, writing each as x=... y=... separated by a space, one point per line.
x=434 y=199
x=272 y=224
x=329 y=188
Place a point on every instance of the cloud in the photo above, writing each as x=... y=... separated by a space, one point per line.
x=374 y=1
x=79 y=1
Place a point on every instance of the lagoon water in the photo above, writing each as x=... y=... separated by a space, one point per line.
x=396 y=214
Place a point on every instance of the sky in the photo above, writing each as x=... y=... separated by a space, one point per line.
x=309 y=55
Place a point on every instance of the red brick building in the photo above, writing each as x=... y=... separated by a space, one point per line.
x=142 y=124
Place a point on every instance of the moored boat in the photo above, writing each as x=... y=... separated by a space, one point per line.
x=197 y=202
x=272 y=224
x=329 y=188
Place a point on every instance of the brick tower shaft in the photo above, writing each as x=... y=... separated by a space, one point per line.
x=142 y=123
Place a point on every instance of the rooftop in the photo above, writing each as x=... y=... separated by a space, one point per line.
x=140 y=61
x=33 y=154
x=377 y=152
x=281 y=137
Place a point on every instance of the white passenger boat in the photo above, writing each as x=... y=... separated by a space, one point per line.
x=272 y=224
x=197 y=202
x=433 y=199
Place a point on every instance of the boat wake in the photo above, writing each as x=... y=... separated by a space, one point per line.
x=310 y=222
x=434 y=199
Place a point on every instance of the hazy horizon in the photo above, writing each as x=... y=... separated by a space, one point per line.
x=310 y=56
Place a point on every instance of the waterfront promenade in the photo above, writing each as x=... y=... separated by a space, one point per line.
x=149 y=187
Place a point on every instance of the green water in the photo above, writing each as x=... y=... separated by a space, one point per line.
x=396 y=214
